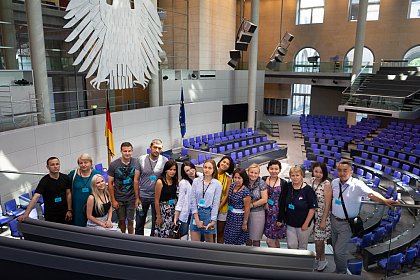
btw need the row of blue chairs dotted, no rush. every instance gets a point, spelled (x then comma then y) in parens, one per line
(391, 153)
(218, 137)
(397, 261)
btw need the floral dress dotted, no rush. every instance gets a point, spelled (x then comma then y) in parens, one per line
(318, 233)
(271, 229)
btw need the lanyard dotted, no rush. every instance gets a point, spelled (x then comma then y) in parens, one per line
(85, 183)
(151, 166)
(204, 191)
(274, 182)
(293, 191)
(313, 184)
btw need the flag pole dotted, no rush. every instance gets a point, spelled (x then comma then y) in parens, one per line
(107, 146)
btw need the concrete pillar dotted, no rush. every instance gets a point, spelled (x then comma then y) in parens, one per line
(154, 83)
(358, 49)
(8, 34)
(252, 65)
(360, 38)
(38, 60)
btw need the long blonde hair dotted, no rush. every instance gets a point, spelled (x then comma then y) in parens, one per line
(95, 192)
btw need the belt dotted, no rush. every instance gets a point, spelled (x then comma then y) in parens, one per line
(339, 219)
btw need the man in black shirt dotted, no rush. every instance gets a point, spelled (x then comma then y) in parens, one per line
(55, 188)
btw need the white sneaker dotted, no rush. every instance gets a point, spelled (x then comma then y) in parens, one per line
(316, 264)
(322, 265)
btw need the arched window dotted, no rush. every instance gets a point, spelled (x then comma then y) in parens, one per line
(301, 63)
(413, 56)
(301, 93)
(367, 59)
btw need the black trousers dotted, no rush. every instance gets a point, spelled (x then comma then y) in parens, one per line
(141, 217)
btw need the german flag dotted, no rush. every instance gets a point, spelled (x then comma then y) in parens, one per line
(108, 131)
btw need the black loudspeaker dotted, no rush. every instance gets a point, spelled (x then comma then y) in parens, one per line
(235, 54)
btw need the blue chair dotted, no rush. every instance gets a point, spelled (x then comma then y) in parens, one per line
(405, 181)
(222, 149)
(402, 156)
(11, 208)
(397, 174)
(358, 160)
(368, 176)
(320, 159)
(4, 220)
(240, 155)
(250, 141)
(355, 267)
(378, 234)
(365, 155)
(254, 150)
(391, 153)
(409, 257)
(243, 143)
(236, 145)
(377, 166)
(184, 152)
(229, 147)
(258, 140)
(360, 171)
(387, 170)
(381, 151)
(197, 146)
(194, 161)
(14, 229)
(334, 149)
(247, 153)
(307, 165)
(208, 156)
(261, 149)
(363, 242)
(368, 163)
(389, 192)
(392, 263)
(405, 167)
(385, 160)
(416, 171)
(200, 158)
(371, 149)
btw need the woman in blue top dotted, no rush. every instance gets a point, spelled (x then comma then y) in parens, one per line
(205, 201)
(297, 210)
(239, 203)
(80, 191)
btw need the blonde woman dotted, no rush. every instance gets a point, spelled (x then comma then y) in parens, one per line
(258, 189)
(81, 178)
(98, 206)
(299, 206)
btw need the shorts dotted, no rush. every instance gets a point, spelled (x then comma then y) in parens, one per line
(222, 217)
(126, 210)
(183, 230)
(204, 214)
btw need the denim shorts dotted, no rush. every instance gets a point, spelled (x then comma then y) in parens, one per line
(204, 214)
(126, 210)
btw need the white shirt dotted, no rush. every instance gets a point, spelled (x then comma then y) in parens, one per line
(183, 204)
(353, 191)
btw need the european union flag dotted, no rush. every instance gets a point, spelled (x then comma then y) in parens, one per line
(182, 124)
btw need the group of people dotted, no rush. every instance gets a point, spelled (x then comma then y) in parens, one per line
(223, 204)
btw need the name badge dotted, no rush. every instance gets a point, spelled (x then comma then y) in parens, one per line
(85, 189)
(193, 222)
(291, 206)
(57, 199)
(152, 177)
(338, 201)
(171, 201)
(127, 181)
(202, 202)
(270, 202)
(230, 207)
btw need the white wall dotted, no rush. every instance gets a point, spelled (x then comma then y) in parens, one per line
(27, 149)
(230, 87)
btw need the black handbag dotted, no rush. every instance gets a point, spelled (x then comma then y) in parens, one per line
(176, 233)
(356, 223)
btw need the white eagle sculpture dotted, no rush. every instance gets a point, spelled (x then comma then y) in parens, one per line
(121, 44)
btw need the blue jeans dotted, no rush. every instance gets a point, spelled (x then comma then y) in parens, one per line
(183, 230)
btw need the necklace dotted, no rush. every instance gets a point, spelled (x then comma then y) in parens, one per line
(269, 182)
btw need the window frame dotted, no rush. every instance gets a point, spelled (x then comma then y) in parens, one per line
(311, 21)
(377, 2)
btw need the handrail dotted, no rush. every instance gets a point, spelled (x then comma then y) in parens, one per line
(399, 205)
(22, 172)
